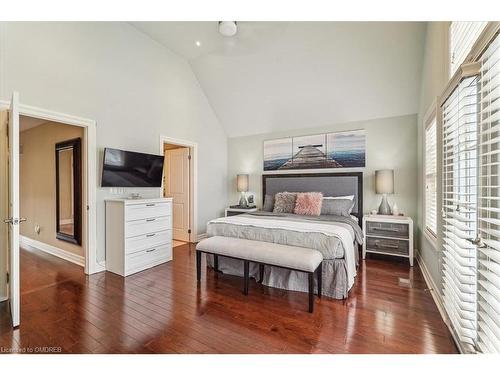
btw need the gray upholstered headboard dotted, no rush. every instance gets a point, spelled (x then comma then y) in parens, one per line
(330, 184)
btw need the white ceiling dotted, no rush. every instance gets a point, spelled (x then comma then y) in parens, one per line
(275, 76)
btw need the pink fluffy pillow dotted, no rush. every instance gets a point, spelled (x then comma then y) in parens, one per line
(308, 204)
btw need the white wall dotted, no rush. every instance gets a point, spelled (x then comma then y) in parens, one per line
(391, 143)
(434, 80)
(133, 87)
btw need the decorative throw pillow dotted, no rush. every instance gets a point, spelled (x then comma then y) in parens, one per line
(268, 203)
(339, 207)
(284, 202)
(308, 204)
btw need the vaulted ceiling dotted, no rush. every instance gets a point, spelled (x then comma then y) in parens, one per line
(275, 76)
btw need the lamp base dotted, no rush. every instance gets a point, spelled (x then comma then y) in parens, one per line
(384, 208)
(243, 201)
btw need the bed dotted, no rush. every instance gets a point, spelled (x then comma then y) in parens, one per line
(337, 237)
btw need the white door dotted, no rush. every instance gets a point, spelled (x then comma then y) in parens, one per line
(13, 219)
(177, 187)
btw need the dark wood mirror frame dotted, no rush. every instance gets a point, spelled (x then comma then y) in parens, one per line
(76, 238)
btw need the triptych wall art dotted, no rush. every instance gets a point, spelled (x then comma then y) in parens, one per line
(329, 150)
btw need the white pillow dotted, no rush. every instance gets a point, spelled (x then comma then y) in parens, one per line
(350, 197)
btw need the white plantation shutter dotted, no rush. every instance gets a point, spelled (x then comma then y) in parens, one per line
(430, 178)
(460, 209)
(488, 288)
(462, 38)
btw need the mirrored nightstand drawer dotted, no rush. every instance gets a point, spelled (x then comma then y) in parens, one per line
(397, 230)
(386, 245)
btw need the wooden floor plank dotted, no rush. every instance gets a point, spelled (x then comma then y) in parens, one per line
(162, 310)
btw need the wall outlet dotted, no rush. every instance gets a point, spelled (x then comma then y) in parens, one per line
(37, 229)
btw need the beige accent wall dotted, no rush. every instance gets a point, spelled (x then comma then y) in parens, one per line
(38, 182)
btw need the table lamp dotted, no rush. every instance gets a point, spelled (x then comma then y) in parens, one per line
(242, 185)
(384, 184)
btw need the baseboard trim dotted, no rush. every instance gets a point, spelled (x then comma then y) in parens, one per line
(3, 298)
(438, 300)
(201, 236)
(52, 250)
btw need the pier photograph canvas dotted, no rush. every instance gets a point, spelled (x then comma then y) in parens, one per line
(348, 149)
(328, 150)
(277, 152)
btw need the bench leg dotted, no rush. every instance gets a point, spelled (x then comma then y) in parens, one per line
(216, 263)
(261, 272)
(311, 291)
(198, 265)
(246, 268)
(319, 274)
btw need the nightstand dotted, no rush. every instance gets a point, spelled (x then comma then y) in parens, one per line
(238, 211)
(388, 235)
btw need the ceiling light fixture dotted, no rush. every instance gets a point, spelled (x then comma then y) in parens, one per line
(228, 28)
(198, 43)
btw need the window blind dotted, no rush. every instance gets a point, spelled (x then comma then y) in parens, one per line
(461, 39)
(460, 209)
(488, 282)
(430, 178)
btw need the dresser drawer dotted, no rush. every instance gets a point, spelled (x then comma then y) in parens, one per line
(147, 241)
(144, 259)
(387, 229)
(147, 210)
(150, 225)
(387, 245)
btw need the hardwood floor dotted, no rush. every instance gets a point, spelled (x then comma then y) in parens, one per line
(162, 311)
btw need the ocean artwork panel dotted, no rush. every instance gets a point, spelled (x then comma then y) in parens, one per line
(347, 148)
(276, 153)
(318, 151)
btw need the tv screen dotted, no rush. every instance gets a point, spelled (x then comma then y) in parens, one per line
(131, 169)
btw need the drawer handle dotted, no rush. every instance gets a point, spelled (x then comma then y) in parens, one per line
(151, 235)
(377, 244)
(150, 250)
(150, 219)
(150, 205)
(387, 229)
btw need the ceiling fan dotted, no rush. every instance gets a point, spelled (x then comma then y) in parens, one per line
(228, 28)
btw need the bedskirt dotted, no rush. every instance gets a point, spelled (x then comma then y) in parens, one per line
(335, 283)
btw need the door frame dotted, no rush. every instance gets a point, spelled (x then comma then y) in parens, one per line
(193, 180)
(89, 173)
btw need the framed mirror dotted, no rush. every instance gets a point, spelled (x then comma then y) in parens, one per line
(69, 191)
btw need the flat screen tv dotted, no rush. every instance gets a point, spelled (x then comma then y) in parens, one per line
(131, 169)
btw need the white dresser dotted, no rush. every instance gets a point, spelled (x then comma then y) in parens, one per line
(138, 234)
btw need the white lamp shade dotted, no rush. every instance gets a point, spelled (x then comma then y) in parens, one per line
(384, 181)
(242, 182)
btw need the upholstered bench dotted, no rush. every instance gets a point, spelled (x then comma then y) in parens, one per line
(264, 253)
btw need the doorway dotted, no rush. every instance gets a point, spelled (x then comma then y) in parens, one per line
(10, 114)
(179, 184)
(51, 188)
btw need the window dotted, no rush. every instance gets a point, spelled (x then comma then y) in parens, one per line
(460, 208)
(488, 278)
(430, 178)
(471, 205)
(461, 39)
